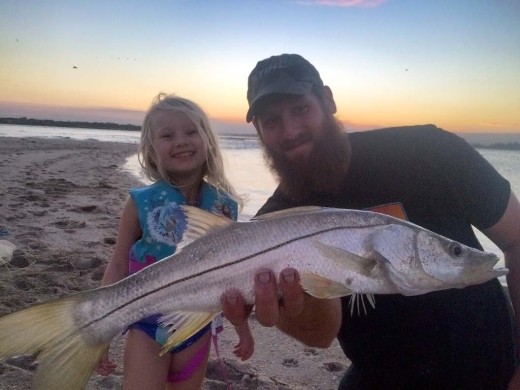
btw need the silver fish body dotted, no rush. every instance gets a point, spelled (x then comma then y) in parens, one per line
(354, 251)
(337, 253)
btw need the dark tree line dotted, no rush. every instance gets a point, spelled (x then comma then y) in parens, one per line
(83, 125)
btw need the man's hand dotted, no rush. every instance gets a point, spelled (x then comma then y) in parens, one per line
(312, 321)
(268, 305)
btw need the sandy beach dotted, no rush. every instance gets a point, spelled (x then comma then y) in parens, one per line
(61, 201)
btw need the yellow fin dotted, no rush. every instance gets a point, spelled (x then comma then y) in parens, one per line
(185, 325)
(67, 365)
(199, 223)
(49, 330)
(286, 212)
(321, 287)
(343, 258)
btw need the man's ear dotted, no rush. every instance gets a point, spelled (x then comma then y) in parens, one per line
(329, 99)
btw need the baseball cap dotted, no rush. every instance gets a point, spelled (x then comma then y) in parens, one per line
(284, 74)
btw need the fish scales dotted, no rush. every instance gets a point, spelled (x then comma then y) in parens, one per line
(225, 259)
(336, 252)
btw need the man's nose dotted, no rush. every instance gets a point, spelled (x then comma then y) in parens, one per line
(291, 128)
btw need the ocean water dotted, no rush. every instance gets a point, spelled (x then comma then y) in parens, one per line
(245, 166)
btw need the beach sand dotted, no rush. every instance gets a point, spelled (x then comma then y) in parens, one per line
(61, 202)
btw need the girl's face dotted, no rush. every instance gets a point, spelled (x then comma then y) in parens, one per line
(178, 145)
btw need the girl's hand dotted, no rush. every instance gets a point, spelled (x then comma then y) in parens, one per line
(244, 349)
(246, 344)
(105, 366)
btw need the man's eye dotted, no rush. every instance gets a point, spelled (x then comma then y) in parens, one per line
(269, 122)
(301, 109)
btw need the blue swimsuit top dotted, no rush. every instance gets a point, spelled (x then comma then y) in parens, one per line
(163, 222)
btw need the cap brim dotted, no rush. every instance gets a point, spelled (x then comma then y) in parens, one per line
(293, 88)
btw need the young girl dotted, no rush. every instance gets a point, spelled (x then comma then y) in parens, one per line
(179, 152)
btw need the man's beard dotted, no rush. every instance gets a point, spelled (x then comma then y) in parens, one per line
(323, 171)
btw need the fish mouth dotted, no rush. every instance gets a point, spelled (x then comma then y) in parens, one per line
(490, 260)
(475, 269)
(483, 267)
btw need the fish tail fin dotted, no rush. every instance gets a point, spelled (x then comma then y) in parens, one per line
(48, 331)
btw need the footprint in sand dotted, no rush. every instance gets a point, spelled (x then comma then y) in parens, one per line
(19, 261)
(334, 367)
(69, 224)
(87, 209)
(291, 362)
(86, 263)
(109, 240)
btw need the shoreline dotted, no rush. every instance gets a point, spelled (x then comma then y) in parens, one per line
(61, 202)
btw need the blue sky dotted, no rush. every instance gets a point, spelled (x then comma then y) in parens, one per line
(452, 63)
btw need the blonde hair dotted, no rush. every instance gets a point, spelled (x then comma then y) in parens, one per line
(213, 169)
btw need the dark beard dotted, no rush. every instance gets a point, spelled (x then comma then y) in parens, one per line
(322, 172)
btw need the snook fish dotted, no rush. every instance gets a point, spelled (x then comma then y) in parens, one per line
(337, 253)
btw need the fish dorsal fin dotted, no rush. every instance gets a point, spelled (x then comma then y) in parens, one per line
(184, 325)
(343, 258)
(287, 212)
(321, 287)
(200, 223)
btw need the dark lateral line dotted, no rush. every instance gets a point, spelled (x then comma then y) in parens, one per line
(214, 269)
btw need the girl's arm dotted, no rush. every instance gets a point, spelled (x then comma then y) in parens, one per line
(117, 269)
(129, 232)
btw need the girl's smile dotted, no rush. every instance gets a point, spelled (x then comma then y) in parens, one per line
(179, 146)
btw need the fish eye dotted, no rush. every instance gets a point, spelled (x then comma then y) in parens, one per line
(456, 250)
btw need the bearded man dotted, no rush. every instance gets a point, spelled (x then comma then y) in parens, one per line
(452, 339)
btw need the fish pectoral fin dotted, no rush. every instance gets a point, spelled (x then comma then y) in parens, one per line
(287, 212)
(320, 287)
(200, 223)
(342, 258)
(184, 325)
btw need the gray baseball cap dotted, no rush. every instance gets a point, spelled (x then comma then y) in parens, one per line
(289, 74)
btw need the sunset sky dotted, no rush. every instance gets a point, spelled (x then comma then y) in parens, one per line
(453, 63)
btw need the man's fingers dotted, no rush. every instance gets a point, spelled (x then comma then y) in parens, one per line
(266, 299)
(267, 303)
(292, 293)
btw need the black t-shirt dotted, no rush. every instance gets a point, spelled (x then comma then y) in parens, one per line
(453, 339)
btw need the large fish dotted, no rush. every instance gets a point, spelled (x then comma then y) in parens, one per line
(337, 253)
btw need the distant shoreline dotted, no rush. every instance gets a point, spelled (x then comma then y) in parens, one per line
(499, 146)
(94, 125)
(76, 124)
(129, 127)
